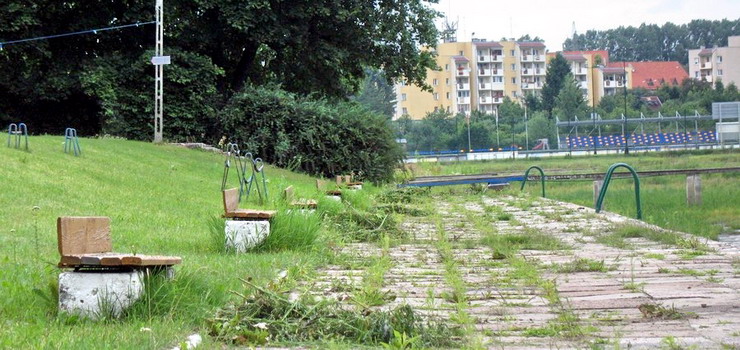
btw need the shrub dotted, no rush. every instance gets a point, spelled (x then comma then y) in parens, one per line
(321, 137)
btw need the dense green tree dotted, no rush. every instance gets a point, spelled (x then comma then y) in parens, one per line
(510, 112)
(318, 48)
(650, 42)
(376, 94)
(557, 70)
(533, 102)
(570, 100)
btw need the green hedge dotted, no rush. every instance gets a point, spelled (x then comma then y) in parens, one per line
(316, 136)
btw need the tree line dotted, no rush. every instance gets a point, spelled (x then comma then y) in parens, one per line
(651, 42)
(310, 55)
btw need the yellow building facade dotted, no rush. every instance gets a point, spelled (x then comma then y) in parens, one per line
(478, 75)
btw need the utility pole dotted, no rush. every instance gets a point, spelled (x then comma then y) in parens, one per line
(158, 72)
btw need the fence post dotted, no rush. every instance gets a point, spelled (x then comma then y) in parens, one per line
(597, 188)
(693, 190)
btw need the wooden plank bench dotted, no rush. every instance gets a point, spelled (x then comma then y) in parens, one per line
(84, 241)
(232, 211)
(347, 180)
(300, 203)
(324, 187)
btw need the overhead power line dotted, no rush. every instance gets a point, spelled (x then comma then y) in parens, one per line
(90, 31)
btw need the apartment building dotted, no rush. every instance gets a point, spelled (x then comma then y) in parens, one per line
(717, 63)
(587, 68)
(476, 75)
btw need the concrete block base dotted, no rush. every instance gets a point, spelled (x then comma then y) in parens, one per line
(244, 235)
(335, 198)
(355, 187)
(98, 294)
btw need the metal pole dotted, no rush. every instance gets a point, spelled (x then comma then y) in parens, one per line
(526, 128)
(470, 149)
(158, 73)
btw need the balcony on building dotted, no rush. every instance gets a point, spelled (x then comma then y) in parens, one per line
(580, 71)
(527, 71)
(707, 78)
(485, 86)
(706, 65)
(485, 72)
(498, 72)
(497, 86)
(583, 85)
(463, 86)
(463, 100)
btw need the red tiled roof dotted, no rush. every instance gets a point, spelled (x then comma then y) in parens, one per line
(705, 52)
(613, 70)
(574, 57)
(650, 75)
(530, 44)
(460, 59)
(489, 44)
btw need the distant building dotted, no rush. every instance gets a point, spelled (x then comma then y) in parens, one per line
(718, 63)
(651, 75)
(476, 75)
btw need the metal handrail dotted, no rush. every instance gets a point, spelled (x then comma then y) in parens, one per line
(71, 142)
(607, 179)
(542, 177)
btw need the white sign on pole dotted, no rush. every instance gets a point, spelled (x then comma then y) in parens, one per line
(160, 60)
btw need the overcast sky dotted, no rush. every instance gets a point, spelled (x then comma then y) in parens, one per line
(553, 20)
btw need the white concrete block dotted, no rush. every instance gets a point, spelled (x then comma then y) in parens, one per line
(335, 198)
(97, 294)
(243, 235)
(355, 187)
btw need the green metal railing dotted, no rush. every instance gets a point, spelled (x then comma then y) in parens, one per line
(607, 179)
(542, 177)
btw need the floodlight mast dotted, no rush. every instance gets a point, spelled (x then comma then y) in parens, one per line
(158, 73)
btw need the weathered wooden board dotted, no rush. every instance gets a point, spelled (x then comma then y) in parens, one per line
(305, 203)
(83, 234)
(118, 259)
(231, 200)
(250, 214)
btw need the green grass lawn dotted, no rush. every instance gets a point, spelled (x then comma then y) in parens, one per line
(161, 200)
(663, 198)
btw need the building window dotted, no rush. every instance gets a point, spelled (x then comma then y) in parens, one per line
(448, 109)
(436, 96)
(513, 94)
(447, 67)
(461, 53)
(696, 60)
(434, 82)
(513, 80)
(447, 81)
(513, 53)
(513, 66)
(719, 72)
(719, 59)
(403, 97)
(436, 108)
(696, 75)
(405, 110)
(448, 95)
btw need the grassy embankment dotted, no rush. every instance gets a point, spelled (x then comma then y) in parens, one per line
(663, 198)
(161, 200)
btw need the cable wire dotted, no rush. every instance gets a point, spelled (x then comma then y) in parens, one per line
(93, 31)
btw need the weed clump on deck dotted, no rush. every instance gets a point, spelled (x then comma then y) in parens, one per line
(270, 315)
(581, 265)
(359, 218)
(507, 245)
(617, 237)
(657, 311)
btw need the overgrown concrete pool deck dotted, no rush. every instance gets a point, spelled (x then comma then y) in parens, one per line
(592, 289)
